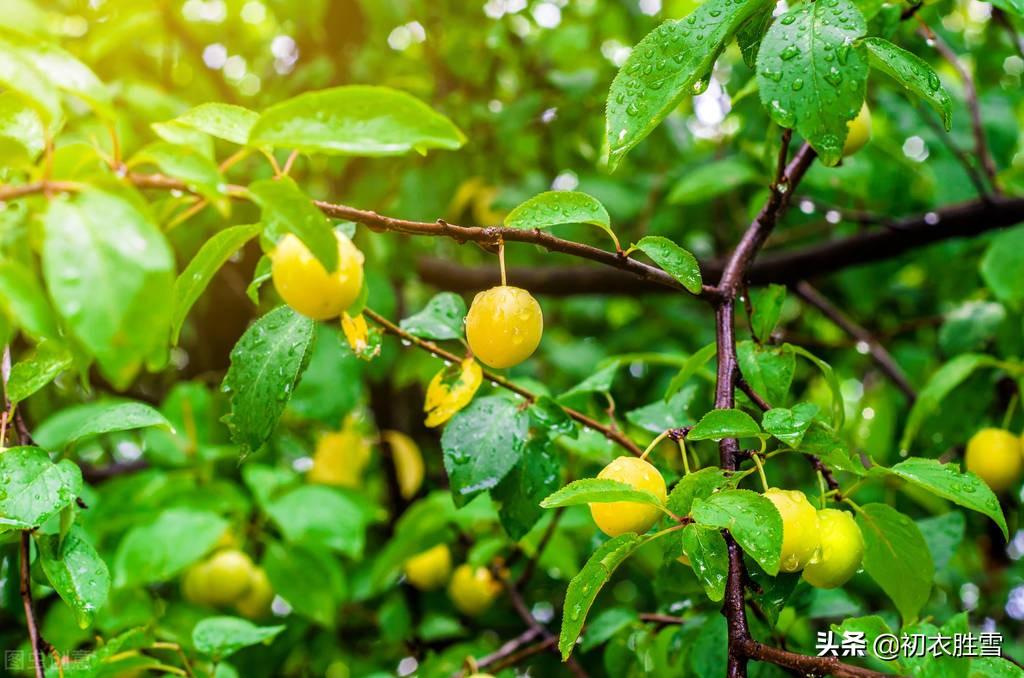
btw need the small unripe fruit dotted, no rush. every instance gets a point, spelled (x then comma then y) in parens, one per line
(255, 602)
(618, 517)
(306, 286)
(429, 569)
(473, 589)
(842, 550)
(859, 131)
(800, 535)
(995, 455)
(193, 584)
(504, 326)
(227, 576)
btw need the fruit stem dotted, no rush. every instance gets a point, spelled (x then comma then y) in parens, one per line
(1009, 411)
(501, 261)
(823, 491)
(686, 461)
(760, 471)
(654, 443)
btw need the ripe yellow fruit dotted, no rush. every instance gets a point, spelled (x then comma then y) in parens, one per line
(340, 458)
(995, 455)
(306, 286)
(225, 577)
(859, 131)
(429, 569)
(842, 550)
(800, 534)
(473, 589)
(255, 602)
(617, 517)
(504, 326)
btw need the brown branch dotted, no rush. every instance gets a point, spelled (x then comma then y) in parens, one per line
(881, 356)
(510, 652)
(608, 432)
(804, 664)
(519, 605)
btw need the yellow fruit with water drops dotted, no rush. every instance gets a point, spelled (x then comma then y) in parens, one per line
(340, 458)
(995, 455)
(255, 602)
(618, 517)
(408, 461)
(225, 577)
(859, 131)
(504, 326)
(473, 589)
(306, 286)
(429, 569)
(450, 390)
(842, 550)
(800, 536)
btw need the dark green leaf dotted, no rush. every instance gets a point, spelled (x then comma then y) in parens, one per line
(76, 572)
(605, 625)
(709, 557)
(752, 520)
(310, 580)
(838, 411)
(22, 298)
(789, 425)
(521, 491)
(944, 535)
(768, 369)
(697, 485)
(674, 260)
(661, 415)
(1002, 267)
(598, 382)
(710, 180)
(728, 423)
(442, 318)
(221, 637)
(913, 73)
(897, 557)
(319, 515)
(693, 363)
(767, 303)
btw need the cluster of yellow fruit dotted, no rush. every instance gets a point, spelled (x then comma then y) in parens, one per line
(996, 456)
(827, 544)
(229, 578)
(471, 589)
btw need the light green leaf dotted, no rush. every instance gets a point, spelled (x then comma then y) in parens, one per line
(672, 62)
(22, 298)
(707, 181)
(72, 424)
(319, 515)
(37, 370)
(561, 207)
(224, 121)
(753, 521)
(897, 557)
(355, 120)
(22, 137)
(812, 71)
(697, 485)
(789, 425)
(838, 410)
(221, 637)
(286, 209)
(709, 556)
(944, 535)
(266, 363)
(823, 442)
(768, 369)
(913, 73)
(995, 667)
(585, 586)
(309, 579)
(197, 275)
(696, 361)
(598, 490)
(728, 423)
(946, 481)
(66, 72)
(199, 173)
(674, 260)
(76, 572)
(1002, 267)
(441, 319)
(20, 75)
(35, 489)
(598, 382)
(662, 415)
(767, 303)
(163, 548)
(110, 273)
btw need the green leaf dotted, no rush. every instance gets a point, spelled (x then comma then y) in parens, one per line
(199, 173)
(20, 75)
(355, 120)
(1002, 267)
(946, 481)
(812, 72)
(709, 556)
(767, 303)
(995, 667)
(838, 411)
(76, 572)
(971, 326)
(200, 271)
(110, 273)
(332, 384)
(35, 488)
(789, 425)
(661, 415)
(598, 382)
(286, 209)
(827, 445)
(442, 318)
(598, 490)
(221, 637)
(481, 444)
(585, 586)
(22, 298)
(674, 260)
(224, 121)
(941, 383)
(73, 424)
(944, 535)
(605, 625)
(697, 485)
(163, 548)
(561, 207)
(749, 38)
(22, 137)
(309, 579)
(872, 627)
(897, 557)
(319, 515)
(672, 62)
(259, 276)
(66, 72)
(696, 361)
(913, 73)
(520, 492)
(727, 423)
(768, 369)
(37, 370)
(266, 363)
(753, 521)
(709, 180)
